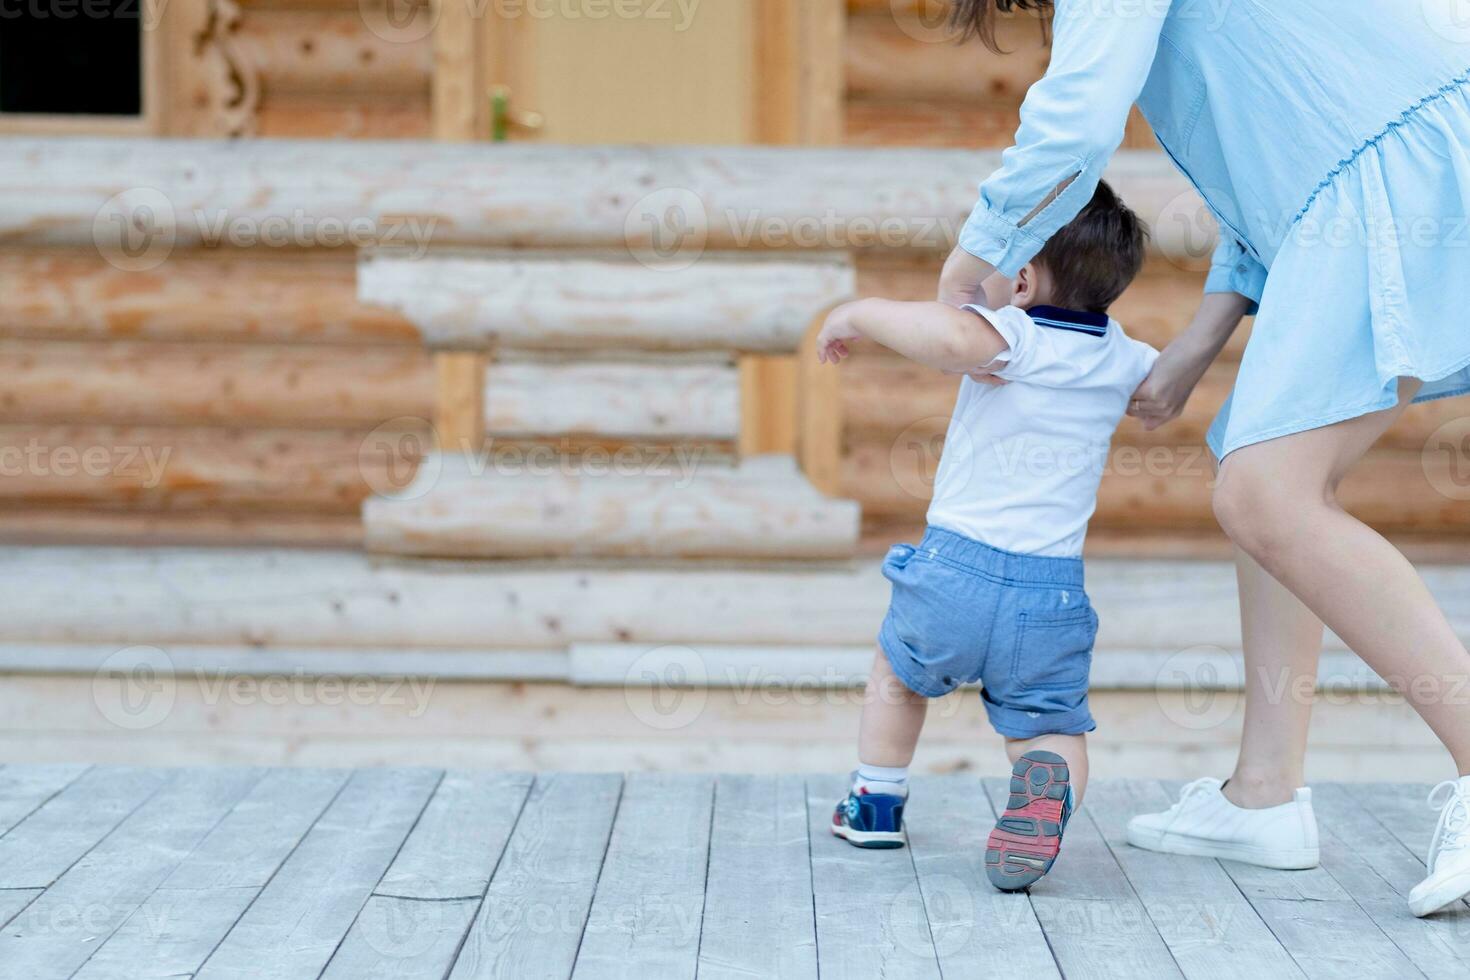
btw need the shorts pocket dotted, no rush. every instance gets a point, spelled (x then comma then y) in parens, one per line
(898, 556)
(1054, 650)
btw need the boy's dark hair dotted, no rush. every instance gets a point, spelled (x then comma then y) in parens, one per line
(1094, 257)
(976, 18)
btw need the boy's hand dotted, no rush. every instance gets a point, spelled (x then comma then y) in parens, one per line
(834, 335)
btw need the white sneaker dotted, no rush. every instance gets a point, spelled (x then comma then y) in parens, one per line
(1449, 852)
(1205, 824)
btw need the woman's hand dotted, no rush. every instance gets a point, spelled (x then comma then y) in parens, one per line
(1166, 390)
(960, 281)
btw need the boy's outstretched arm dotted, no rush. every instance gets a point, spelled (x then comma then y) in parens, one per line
(934, 334)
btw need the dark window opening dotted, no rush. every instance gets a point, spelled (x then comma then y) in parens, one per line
(82, 57)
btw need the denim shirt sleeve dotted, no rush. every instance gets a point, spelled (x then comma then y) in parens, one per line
(1072, 121)
(1234, 270)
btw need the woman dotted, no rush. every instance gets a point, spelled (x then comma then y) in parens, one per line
(1329, 138)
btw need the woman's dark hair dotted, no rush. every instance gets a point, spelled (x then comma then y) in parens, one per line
(976, 18)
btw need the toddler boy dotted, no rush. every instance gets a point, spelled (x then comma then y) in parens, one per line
(994, 592)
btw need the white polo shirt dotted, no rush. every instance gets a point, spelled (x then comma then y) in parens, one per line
(1022, 461)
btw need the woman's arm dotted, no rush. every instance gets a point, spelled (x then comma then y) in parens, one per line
(1072, 122)
(1167, 388)
(933, 334)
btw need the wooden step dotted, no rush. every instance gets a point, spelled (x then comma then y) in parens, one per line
(680, 505)
(283, 599)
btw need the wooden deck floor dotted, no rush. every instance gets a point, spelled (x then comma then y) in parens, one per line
(406, 873)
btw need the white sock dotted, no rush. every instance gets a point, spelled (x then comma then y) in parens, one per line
(892, 780)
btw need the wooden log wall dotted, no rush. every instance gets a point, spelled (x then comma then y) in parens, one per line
(329, 69)
(218, 399)
(910, 84)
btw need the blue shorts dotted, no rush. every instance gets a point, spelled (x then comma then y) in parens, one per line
(1021, 625)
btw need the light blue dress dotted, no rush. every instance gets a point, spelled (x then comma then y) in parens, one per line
(1331, 140)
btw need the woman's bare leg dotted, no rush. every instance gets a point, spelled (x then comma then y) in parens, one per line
(892, 718)
(1282, 640)
(1277, 501)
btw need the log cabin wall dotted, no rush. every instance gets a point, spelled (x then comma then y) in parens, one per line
(230, 395)
(260, 376)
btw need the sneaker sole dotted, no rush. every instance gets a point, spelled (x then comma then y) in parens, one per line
(1024, 844)
(1290, 859)
(1440, 895)
(873, 839)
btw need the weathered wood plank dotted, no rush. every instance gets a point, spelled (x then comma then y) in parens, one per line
(25, 789)
(523, 194)
(1205, 920)
(1332, 940)
(41, 847)
(758, 913)
(531, 921)
(402, 939)
(14, 900)
(1378, 871)
(1402, 810)
(455, 846)
(461, 506)
(292, 928)
(1094, 922)
(177, 927)
(647, 911)
(56, 934)
(977, 930)
(414, 923)
(871, 920)
(729, 301)
(664, 398)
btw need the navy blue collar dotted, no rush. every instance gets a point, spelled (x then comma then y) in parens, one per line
(1059, 318)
